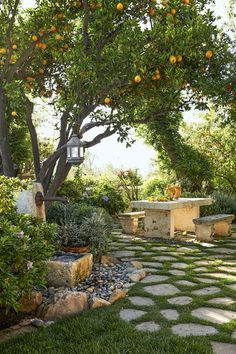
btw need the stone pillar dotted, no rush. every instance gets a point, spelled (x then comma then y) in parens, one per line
(184, 218)
(26, 202)
(159, 223)
(204, 232)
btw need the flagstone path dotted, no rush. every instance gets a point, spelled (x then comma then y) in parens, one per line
(192, 294)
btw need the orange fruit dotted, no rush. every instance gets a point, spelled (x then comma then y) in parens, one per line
(157, 71)
(164, 3)
(186, 2)
(152, 12)
(120, 6)
(66, 46)
(14, 46)
(59, 15)
(58, 37)
(43, 45)
(44, 62)
(173, 11)
(3, 51)
(41, 71)
(168, 14)
(13, 113)
(107, 100)
(209, 54)
(29, 79)
(137, 79)
(172, 59)
(179, 58)
(34, 38)
(158, 76)
(53, 29)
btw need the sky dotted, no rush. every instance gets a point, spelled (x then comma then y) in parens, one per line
(109, 151)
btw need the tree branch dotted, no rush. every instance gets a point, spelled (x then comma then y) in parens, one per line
(108, 132)
(85, 26)
(33, 136)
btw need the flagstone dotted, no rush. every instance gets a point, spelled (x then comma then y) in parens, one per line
(170, 315)
(193, 329)
(147, 254)
(222, 300)
(141, 301)
(150, 326)
(162, 289)
(136, 248)
(214, 315)
(210, 290)
(206, 280)
(180, 300)
(227, 269)
(176, 272)
(223, 348)
(161, 248)
(154, 278)
(179, 265)
(234, 335)
(120, 254)
(222, 276)
(187, 249)
(232, 287)
(131, 314)
(153, 264)
(151, 270)
(200, 269)
(223, 250)
(164, 258)
(204, 263)
(185, 283)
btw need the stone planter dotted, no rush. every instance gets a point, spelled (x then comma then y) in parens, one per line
(68, 269)
(76, 249)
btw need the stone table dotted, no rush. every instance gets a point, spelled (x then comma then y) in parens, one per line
(163, 218)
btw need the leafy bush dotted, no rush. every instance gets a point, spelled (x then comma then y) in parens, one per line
(75, 213)
(25, 244)
(98, 232)
(154, 186)
(68, 235)
(223, 203)
(108, 197)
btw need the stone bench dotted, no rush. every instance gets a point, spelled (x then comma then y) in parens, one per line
(129, 221)
(213, 225)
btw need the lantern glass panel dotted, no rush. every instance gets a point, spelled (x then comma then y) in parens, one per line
(68, 151)
(74, 151)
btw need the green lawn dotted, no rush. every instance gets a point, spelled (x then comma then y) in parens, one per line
(102, 330)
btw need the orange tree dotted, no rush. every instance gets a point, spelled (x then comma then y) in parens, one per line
(110, 65)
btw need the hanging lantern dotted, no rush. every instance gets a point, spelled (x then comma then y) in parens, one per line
(75, 150)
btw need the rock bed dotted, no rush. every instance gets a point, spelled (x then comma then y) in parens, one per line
(105, 279)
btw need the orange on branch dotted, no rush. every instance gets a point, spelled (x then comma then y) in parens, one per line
(179, 58)
(53, 29)
(65, 46)
(137, 79)
(3, 51)
(58, 37)
(168, 14)
(14, 113)
(164, 3)
(186, 2)
(44, 62)
(172, 59)
(43, 46)
(29, 79)
(209, 54)
(34, 38)
(14, 46)
(41, 71)
(152, 12)
(173, 11)
(120, 6)
(107, 100)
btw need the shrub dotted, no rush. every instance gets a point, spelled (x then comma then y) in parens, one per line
(98, 232)
(68, 235)
(223, 203)
(108, 197)
(153, 186)
(25, 244)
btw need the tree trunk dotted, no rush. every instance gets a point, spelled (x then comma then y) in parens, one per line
(7, 163)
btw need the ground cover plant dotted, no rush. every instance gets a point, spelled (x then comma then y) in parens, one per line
(103, 330)
(25, 244)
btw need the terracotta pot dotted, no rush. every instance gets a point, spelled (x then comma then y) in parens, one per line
(76, 249)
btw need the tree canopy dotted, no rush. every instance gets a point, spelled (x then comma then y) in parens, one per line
(110, 65)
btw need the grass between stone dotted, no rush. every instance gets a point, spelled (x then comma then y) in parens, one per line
(102, 331)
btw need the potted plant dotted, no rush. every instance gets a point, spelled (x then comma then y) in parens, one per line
(69, 238)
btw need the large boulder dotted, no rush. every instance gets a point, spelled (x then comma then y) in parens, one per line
(30, 303)
(65, 303)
